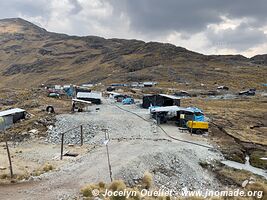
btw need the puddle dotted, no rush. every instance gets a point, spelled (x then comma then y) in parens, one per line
(246, 167)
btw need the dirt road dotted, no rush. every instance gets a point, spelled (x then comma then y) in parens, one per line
(136, 146)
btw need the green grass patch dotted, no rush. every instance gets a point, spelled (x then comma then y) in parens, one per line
(256, 161)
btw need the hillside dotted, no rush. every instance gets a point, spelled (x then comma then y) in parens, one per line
(260, 59)
(30, 56)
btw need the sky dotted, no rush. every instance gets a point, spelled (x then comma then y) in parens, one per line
(205, 26)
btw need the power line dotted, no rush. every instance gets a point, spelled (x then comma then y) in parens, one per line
(174, 138)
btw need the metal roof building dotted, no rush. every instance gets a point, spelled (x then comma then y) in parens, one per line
(11, 112)
(160, 100)
(94, 97)
(8, 117)
(170, 96)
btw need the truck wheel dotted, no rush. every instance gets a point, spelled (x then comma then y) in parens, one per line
(50, 109)
(199, 132)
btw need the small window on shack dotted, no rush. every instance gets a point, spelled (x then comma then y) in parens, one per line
(198, 113)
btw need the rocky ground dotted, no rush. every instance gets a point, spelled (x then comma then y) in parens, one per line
(136, 146)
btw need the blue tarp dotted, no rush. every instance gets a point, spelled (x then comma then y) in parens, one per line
(128, 101)
(69, 91)
(198, 114)
(199, 118)
(195, 110)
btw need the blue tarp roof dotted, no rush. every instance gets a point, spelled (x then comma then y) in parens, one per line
(128, 101)
(194, 109)
(175, 108)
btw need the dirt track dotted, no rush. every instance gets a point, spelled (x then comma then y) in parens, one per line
(136, 146)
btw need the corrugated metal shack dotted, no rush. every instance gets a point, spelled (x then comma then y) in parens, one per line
(149, 84)
(160, 100)
(93, 97)
(179, 114)
(11, 116)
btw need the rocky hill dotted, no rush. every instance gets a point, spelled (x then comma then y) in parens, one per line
(260, 59)
(30, 56)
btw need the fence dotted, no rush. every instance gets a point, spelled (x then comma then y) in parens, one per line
(63, 134)
(3, 129)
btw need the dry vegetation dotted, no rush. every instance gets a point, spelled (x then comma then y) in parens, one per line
(9, 28)
(232, 176)
(147, 180)
(34, 101)
(238, 126)
(238, 116)
(118, 185)
(5, 177)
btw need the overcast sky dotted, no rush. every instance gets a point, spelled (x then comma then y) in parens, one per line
(206, 26)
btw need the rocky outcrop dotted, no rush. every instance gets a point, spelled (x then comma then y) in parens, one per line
(259, 59)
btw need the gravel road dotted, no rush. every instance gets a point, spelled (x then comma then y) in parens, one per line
(136, 146)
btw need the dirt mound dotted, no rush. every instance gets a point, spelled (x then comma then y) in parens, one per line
(173, 170)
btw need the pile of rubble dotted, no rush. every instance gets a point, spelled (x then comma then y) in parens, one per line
(169, 170)
(72, 131)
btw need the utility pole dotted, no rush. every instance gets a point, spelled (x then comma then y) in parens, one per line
(81, 135)
(192, 124)
(9, 157)
(62, 143)
(3, 128)
(106, 144)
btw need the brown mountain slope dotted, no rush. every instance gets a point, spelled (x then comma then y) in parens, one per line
(260, 59)
(29, 56)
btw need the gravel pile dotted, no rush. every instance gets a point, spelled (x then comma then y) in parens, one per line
(171, 170)
(118, 123)
(67, 122)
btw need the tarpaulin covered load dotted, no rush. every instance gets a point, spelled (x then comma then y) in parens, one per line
(198, 114)
(128, 101)
(69, 91)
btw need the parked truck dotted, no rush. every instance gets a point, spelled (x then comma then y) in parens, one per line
(198, 127)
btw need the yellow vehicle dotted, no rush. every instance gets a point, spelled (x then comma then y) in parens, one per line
(198, 126)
